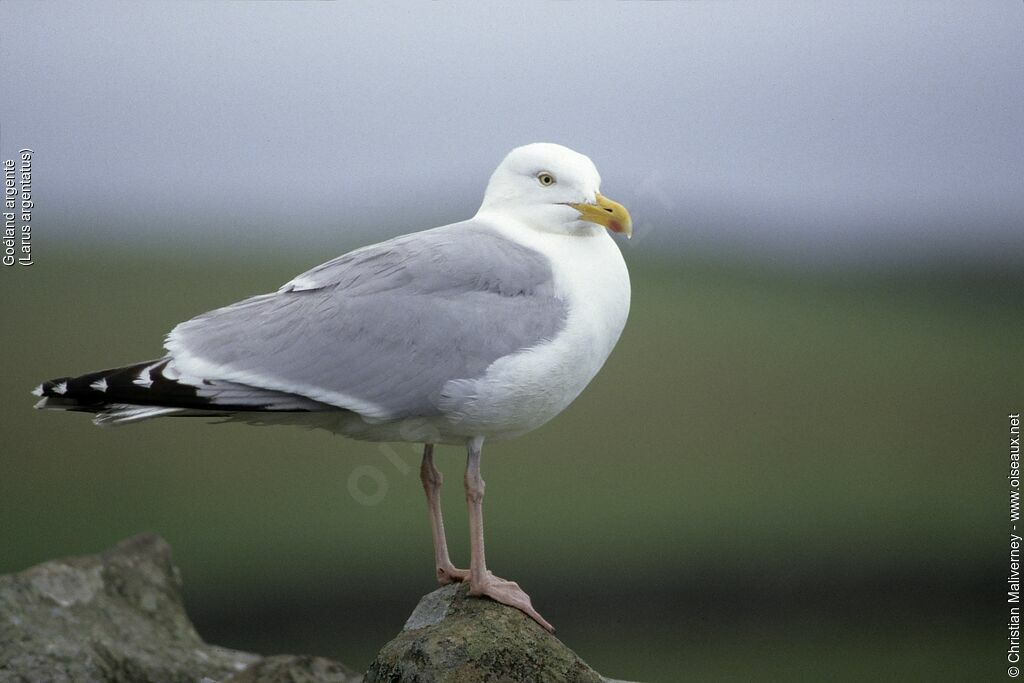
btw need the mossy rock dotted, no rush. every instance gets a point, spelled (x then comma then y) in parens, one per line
(455, 638)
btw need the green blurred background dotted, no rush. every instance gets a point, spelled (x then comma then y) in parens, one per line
(779, 474)
(793, 466)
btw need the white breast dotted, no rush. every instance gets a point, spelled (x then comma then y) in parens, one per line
(521, 392)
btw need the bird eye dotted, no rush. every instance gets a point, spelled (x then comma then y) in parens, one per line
(545, 179)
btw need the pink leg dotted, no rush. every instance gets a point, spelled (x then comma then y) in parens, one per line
(481, 581)
(432, 480)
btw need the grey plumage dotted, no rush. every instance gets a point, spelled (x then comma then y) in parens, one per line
(386, 325)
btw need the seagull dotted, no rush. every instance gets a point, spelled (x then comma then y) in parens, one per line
(480, 330)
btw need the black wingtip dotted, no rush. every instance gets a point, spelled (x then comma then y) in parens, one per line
(146, 384)
(89, 392)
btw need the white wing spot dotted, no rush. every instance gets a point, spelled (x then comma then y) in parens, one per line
(100, 384)
(60, 388)
(143, 379)
(38, 391)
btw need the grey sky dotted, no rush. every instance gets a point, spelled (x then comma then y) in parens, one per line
(827, 129)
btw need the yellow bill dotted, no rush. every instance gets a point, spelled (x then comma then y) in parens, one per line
(608, 213)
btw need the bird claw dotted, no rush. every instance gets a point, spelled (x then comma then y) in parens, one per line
(450, 574)
(508, 593)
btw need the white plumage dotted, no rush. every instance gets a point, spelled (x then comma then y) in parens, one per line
(483, 329)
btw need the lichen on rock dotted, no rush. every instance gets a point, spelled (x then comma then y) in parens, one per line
(456, 638)
(118, 617)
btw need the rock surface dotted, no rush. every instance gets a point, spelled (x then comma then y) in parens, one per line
(453, 637)
(118, 617)
(295, 669)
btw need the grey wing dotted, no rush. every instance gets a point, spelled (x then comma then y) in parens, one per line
(380, 330)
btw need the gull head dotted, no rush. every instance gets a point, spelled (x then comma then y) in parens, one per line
(553, 189)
